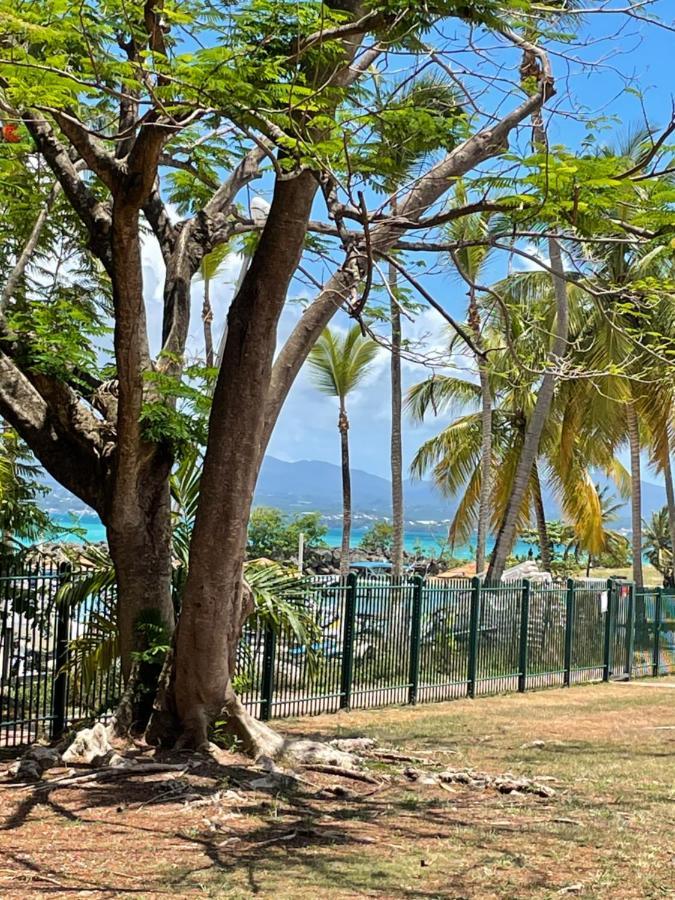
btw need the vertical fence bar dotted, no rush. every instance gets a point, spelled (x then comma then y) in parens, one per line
(656, 656)
(473, 637)
(607, 650)
(60, 688)
(524, 630)
(267, 681)
(415, 628)
(569, 631)
(630, 630)
(347, 671)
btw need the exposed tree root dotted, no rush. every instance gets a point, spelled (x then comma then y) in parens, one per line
(342, 773)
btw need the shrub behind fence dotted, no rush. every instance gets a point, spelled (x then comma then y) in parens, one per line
(381, 642)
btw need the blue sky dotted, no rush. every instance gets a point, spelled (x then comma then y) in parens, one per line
(615, 52)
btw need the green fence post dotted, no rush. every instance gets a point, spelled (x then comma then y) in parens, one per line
(473, 636)
(607, 652)
(524, 630)
(569, 631)
(267, 683)
(630, 630)
(415, 628)
(656, 658)
(347, 672)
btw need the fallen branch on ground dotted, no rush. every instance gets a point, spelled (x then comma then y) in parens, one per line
(343, 773)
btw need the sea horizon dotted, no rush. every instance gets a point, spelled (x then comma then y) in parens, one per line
(429, 537)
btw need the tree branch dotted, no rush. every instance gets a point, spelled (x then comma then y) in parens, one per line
(94, 214)
(67, 441)
(428, 190)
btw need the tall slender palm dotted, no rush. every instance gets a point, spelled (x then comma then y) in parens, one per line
(396, 450)
(338, 365)
(469, 261)
(434, 101)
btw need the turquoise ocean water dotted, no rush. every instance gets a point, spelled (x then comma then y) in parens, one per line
(429, 538)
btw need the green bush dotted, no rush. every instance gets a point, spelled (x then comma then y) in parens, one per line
(274, 535)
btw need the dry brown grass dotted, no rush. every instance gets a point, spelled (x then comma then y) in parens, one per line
(607, 833)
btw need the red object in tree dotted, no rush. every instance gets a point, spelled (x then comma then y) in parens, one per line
(10, 134)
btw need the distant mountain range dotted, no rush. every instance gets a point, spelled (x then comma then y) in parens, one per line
(309, 485)
(315, 485)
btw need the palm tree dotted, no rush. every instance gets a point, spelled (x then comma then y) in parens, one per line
(658, 547)
(338, 365)
(575, 438)
(435, 103)
(469, 261)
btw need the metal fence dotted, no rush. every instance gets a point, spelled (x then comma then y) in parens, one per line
(380, 642)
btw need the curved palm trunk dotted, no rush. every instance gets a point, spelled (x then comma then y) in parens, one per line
(536, 422)
(485, 469)
(670, 501)
(540, 516)
(636, 493)
(542, 407)
(396, 440)
(343, 425)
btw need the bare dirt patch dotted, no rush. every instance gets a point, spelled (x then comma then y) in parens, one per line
(607, 753)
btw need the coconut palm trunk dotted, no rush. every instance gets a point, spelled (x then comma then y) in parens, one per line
(535, 425)
(540, 516)
(337, 366)
(343, 426)
(207, 320)
(485, 470)
(636, 493)
(486, 439)
(396, 440)
(670, 501)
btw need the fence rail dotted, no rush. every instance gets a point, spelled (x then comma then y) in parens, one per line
(381, 642)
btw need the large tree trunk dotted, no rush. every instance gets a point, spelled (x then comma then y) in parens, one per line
(343, 426)
(396, 440)
(636, 493)
(138, 512)
(214, 607)
(540, 516)
(140, 548)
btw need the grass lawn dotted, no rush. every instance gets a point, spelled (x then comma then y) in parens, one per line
(608, 832)
(652, 576)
